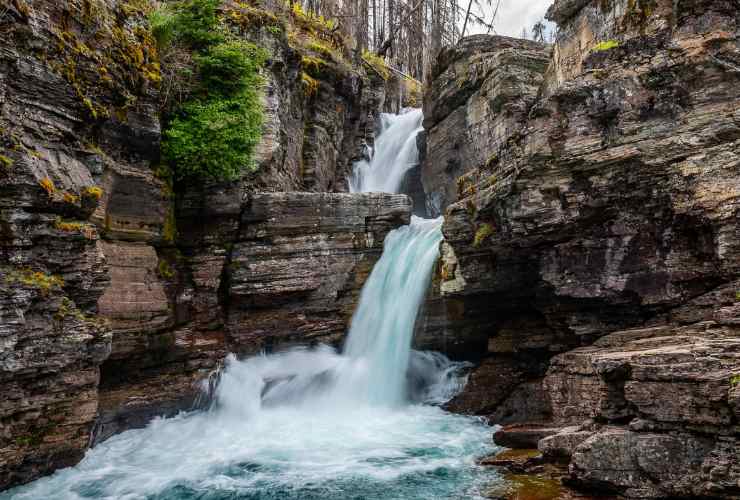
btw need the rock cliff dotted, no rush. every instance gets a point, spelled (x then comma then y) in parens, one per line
(592, 254)
(119, 292)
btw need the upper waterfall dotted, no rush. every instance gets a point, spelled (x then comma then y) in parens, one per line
(395, 152)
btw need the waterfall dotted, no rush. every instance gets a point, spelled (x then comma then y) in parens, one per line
(315, 424)
(372, 370)
(383, 324)
(395, 152)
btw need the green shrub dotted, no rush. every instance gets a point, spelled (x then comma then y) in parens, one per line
(162, 24)
(196, 23)
(213, 135)
(230, 68)
(215, 138)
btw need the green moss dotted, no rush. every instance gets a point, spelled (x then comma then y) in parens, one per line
(71, 198)
(377, 63)
(735, 380)
(310, 84)
(312, 65)
(246, 17)
(36, 279)
(137, 7)
(5, 162)
(169, 231)
(87, 230)
(48, 186)
(165, 270)
(482, 234)
(68, 309)
(322, 48)
(92, 192)
(607, 45)
(310, 21)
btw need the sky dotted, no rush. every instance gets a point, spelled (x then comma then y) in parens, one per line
(513, 15)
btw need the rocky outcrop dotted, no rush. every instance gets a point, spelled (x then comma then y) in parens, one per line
(75, 146)
(480, 95)
(675, 389)
(247, 276)
(613, 207)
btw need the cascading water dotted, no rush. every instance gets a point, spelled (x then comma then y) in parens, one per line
(395, 152)
(311, 424)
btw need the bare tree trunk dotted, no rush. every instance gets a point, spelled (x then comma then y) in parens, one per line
(467, 16)
(375, 24)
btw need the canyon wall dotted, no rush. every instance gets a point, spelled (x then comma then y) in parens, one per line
(121, 292)
(592, 256)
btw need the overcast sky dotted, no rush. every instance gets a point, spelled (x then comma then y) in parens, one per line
(513, 15)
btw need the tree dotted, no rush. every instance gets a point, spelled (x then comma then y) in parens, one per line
(538, 31)
(407, 34)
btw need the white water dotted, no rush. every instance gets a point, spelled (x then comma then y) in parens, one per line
(394, 154)
(311, 424)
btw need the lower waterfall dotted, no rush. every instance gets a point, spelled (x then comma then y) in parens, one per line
(311, 424)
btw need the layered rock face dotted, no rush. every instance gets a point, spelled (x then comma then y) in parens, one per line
(118, 296)
(74, 151)
(250, 273)
(593, 264)
(480, 95)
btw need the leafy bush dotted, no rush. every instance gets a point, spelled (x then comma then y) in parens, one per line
(230, 68)
(213, 135)
(162, 25)
(196, 23)
(215, 138)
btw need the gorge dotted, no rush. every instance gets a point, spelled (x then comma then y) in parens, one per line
(530, 288)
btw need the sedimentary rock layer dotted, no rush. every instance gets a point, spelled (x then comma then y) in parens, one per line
(614, 206)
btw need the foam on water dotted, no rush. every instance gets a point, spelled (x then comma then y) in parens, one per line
(311, 423)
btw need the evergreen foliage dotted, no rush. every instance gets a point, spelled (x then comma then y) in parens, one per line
(214, 134)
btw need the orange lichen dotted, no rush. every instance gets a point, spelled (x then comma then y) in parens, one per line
(47, 185)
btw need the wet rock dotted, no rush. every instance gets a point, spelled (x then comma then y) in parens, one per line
(517, 461)
(66, 144)
(299, 262)
(523, 436)
(559, 447)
